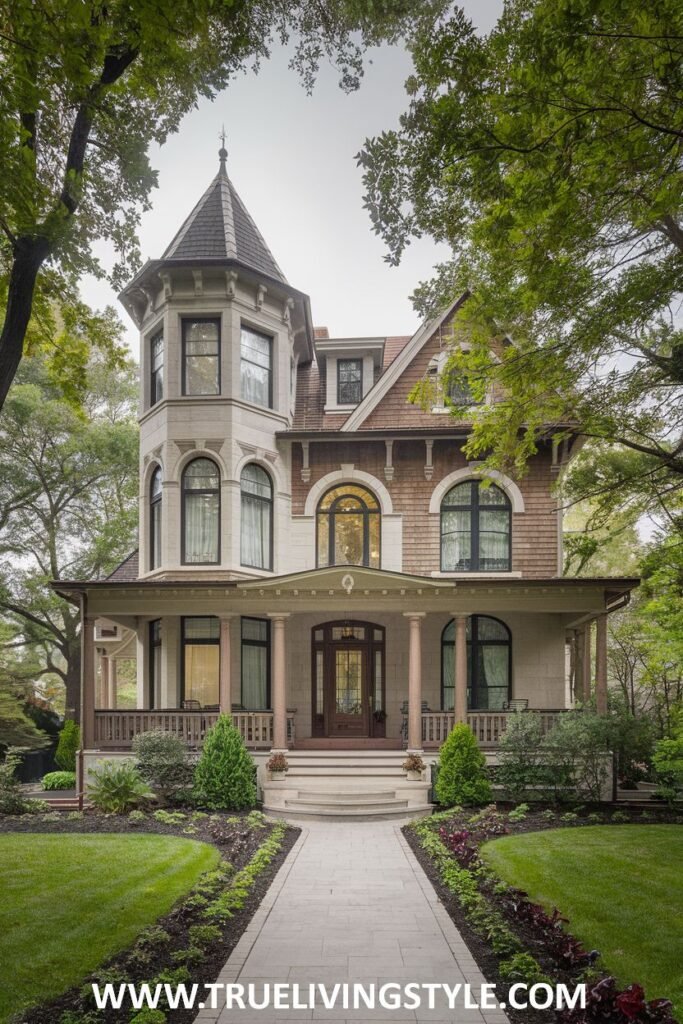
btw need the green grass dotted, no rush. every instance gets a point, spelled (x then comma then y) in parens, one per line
(621, 886)
(71, 901)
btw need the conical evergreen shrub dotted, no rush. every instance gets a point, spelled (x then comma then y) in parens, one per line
(225, 776)
(462, 771)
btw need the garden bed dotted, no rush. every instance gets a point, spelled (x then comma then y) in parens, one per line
(190, 943)
(511, 938)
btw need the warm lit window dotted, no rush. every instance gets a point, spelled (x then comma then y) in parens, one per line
(201, 357)
(256, 540)
(256, 367)
(201, 513)
(156, 356)
(155, 663)
(475, 529)
(488, 664)
(348, 527)
(349, 381)
(201, 662)
(255, 648)
(155, 519)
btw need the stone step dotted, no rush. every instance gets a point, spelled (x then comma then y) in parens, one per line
(359, 806)
(328, 813)
(335, 797)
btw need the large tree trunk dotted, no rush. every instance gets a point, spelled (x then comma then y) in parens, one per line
(73, 683)
(29, 255)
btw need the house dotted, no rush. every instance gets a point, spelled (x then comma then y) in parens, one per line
(317, 556)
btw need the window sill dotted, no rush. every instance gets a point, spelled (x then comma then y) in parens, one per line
(338, 408)
(477, 575)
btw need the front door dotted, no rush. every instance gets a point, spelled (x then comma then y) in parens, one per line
(348, 697)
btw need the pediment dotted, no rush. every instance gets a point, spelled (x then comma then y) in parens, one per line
(347, 579)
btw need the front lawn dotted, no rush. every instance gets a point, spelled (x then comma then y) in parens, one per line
(71, 901)
(621, 886)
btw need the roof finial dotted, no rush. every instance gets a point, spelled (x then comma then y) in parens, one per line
(222, 152)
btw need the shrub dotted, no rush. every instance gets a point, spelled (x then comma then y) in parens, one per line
(12, 799)
(59, 780)
(522, 967)
(521, 764)
(577, 752)
(68, 746)
(462, 770)
(519, 812)
(117, 787)
(163, 762)
(149, 1016)
(668, 765)
(204, 934)
(224, 776)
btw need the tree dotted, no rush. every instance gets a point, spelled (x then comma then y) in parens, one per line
(84, 90)
(68, 506)
(547, 156)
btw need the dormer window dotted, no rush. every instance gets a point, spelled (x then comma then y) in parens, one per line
(349, 381)
(156, 356)
(201, 357)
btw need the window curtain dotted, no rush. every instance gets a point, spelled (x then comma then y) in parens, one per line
(448, 675)
(254, 677)
(255, 532)
(494, 541)
(456, 541)
(201, 527)
(201, 673)
(493, 676)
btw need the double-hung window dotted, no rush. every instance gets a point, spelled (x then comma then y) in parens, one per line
(349, 381)
(156, 358)
(256, 367)
(255, 650)
(201, 357)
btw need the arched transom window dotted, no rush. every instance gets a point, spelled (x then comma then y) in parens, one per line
(348, 527)
(488, 664)
(155, 519)
(475, 529)
(256, 543)
(201, 513)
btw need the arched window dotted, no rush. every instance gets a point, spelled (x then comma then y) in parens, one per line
(489, 661)
(475, 529)
(256, 544)
(348, 527)
(201, 513)
(155, 519)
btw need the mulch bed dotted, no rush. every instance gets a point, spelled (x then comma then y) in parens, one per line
(237, 843)
(488, 961)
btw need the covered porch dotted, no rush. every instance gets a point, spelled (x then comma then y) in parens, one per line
(342, 657)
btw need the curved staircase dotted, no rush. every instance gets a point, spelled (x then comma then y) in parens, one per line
(343, 785)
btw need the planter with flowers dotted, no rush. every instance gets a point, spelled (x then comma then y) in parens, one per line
(277, 766)
(414, 767)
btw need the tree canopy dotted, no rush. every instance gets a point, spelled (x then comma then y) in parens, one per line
(68, 507)
(84, 90)
(547, 155)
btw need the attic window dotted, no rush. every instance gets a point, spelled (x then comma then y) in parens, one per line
(349, 381)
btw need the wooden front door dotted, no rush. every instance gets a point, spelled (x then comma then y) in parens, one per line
(348, 680)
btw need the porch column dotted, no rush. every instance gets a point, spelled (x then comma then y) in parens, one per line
(460, 697)
(415, 680)
(101, 690)
(601, 664)
(112, 676)
(225, 676)
(577, 664)
(279, 678)
(87, 682)
(586, 667)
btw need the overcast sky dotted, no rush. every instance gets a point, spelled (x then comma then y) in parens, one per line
(291, 158)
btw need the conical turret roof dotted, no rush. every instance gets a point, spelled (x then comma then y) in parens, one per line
(220, 227)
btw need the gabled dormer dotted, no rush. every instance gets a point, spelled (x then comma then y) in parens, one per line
(351, 367)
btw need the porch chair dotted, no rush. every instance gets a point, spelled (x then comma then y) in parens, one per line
(516, 704)
(191, 705)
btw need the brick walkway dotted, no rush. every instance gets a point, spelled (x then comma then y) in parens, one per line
(351, 903)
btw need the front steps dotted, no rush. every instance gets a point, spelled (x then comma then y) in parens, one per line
(343, 785)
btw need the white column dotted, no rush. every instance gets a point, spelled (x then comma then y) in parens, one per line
(415, 681)
(279, 694)
(460, 696)
(87, 683)
(601, 664)
(587, 668)
(225, 678)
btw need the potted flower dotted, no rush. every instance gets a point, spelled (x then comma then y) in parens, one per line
(276, 767)
(414, 766)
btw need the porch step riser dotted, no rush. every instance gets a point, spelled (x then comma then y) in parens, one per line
(332, 814)
(350, 807)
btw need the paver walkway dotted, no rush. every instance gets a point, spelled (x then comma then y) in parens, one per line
(351, 903)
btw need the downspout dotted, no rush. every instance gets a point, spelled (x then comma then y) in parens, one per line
(80, 767)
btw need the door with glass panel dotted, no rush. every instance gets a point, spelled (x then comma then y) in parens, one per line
(348, 680)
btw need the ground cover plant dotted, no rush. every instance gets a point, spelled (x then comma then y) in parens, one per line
(200, 923)
(515, 938)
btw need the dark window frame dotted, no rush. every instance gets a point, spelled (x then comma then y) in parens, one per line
(155, 644)
(156, 374)
(196, 641)
(257, 643)
(200, 320)
(473, 644)
(271, 345)
(340, 383)
(183, 524)
(475, 507)
(331, 513)
(269, 501)
(155, 501)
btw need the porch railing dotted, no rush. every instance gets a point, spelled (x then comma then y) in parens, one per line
(114, 730)
(487, 726)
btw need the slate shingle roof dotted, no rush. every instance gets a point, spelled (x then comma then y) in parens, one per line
(220, 227)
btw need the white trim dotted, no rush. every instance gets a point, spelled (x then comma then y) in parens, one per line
(348, 475)
(200, 453)
(397, 367)
(464, 576)
(475, 471)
